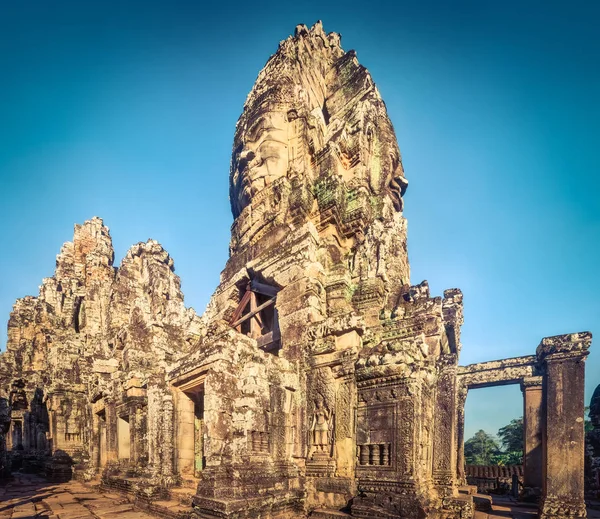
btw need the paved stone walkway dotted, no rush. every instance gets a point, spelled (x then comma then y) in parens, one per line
(29, 497)
(32, 497)
(505, 507)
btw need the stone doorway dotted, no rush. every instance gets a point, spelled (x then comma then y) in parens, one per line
(486, 411)
(123, 438)
(102, 445)
(190, 424)
(198, 399)
(16, 435)
(520, 371)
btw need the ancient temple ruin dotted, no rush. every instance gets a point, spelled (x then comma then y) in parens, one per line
(318, 381)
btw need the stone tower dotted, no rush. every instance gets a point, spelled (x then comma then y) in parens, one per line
(316, 186)
(318, 382)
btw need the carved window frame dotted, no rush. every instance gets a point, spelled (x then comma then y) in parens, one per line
(256, 315)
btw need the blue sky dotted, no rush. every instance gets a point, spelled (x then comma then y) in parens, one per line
(126, 110)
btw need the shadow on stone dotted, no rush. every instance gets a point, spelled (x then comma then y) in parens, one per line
(59, 469)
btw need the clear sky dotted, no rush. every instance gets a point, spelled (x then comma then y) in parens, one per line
(126, 110)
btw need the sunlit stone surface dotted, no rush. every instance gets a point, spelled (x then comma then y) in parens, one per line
(318, 381)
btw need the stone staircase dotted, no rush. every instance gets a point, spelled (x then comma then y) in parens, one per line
(172, 503)
(482, 502)
(467, 490)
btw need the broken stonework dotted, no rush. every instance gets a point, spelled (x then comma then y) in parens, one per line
(318, 381)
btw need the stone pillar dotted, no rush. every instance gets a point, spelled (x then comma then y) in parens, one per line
(185, 434)
(136, 425)
(562, 359)
(167, 436)
(133, 427)
(112, 441)
(532, 431)
(461, 399)
(4, 428)
(444, 440)
(94, 443)
(154, 419)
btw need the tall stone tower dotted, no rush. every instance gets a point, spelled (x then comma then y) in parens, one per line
(311, 380)
(345, 361)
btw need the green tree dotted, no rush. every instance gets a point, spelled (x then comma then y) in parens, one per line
(587, 425)
(481, 449)
(511, 437)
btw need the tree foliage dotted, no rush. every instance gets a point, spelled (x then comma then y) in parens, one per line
(511, 436)
(587, 425)
(481, 449)
(484, 449)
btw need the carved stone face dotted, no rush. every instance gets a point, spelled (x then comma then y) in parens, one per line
(260, 158)
(314, 114)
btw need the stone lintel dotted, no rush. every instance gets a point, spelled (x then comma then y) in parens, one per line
(531, 382)
(497, 372)
(558, 347)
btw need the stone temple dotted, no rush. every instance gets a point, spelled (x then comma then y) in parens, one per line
(318, 382)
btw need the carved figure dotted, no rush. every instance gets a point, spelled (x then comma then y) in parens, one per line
(261, 157)
(310, 112)
(321, 429)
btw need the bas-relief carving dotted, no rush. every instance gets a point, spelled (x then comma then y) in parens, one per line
(344, 410)
(321, 402)
(321, 428)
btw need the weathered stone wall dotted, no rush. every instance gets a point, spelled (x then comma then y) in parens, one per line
(94, 331)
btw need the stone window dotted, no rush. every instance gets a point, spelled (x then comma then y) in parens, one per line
(256, 315)
(375, 454)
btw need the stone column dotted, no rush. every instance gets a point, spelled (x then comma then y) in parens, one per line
(532, 431)
(167, 436)
(154, 419)
(185, 434)
(444, 440)
(461, 399)
(112, 443)
(562, 359)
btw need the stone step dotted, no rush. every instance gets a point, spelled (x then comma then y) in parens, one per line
(183, 496)
(191, 483)
(482, 502)
(170, 509)
(467, 489)
(114, 510)
(327, 513)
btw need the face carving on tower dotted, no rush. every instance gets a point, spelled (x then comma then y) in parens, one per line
(260, 158)
(315, 114)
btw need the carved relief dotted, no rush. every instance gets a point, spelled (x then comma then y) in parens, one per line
(321, 407)
(344, 410)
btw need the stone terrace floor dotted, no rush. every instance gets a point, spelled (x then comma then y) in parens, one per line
(27, 497)
(506, 507)
(32, 497)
